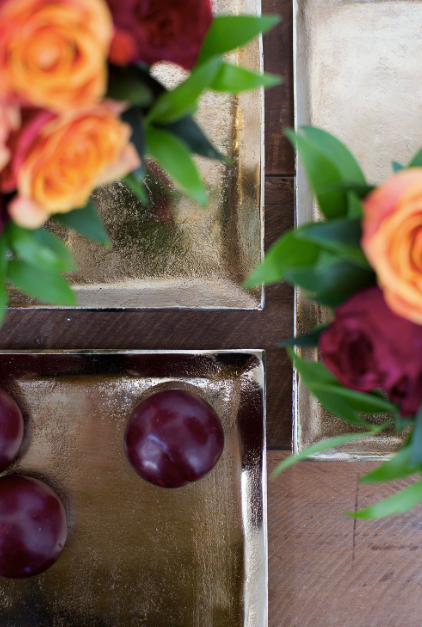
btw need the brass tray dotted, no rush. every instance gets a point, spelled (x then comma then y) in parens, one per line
(358, 75)
(138, 554)
(176, 253)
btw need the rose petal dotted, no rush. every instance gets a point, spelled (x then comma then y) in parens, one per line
(160, 30)
(128, 162)
(368, 346)
(27, 213)
(383, 201)
(123, 48)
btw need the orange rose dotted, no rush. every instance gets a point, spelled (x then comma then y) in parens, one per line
(69, 157)
(10, 120)
(392, 241)
(53, 53)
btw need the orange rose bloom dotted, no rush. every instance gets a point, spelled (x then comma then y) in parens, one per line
(392, 241)
(10, 120)
(53, 53)
(70, 156)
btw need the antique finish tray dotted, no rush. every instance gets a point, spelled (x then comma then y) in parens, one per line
(176, 253)
(138, 554)
(357, 75)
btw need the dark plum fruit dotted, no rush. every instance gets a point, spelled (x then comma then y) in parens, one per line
(11, 429)
(173, 438)
(33, 527)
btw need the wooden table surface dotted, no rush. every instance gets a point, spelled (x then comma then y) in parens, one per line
(325, 569)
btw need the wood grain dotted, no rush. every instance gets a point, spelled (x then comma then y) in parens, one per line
(278, 58)
(328, 570)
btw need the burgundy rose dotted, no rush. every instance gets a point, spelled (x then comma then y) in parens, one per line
(149, 31)
(4, 215)
(407, 393)
(369, 347)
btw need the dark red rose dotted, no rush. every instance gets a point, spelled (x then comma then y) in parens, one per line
(369, 347)
(407, 393)
(4, 214)
(149, 31)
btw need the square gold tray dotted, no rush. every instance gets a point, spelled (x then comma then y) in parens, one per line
(176, 253)
(138, 554)
(357, 75)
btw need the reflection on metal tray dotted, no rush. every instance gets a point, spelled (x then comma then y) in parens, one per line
(176, 253)
(358, 75)
(138, 554)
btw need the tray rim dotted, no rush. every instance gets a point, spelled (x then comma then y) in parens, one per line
(261, 536)
(258, 352)
(303, 212)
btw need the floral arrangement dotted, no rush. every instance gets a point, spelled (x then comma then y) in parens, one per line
(79, 108)
(363, 262)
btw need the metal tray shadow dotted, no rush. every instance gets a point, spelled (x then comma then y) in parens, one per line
(358, 76)
(138, 554)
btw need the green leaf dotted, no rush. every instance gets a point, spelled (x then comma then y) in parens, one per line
(40, 248)
(337, 152)
(134, 118)
(233, 79)
(127, 84)
(398, 467)
(343, 231)
(44, 285)
(137, 188)
(189, 132)
(354, 206)
(340, 236)
(288, 252)
(397, 504)
(361, 401)
(4, 246)
(175, 104)
(228, 32)
(337, 399)
(332, 283)
(312, 371)
(65, 258)
(402, 422)
(174, 157)
(397, 167)
(4, 300)
(144, 75)
(416, 162)
(322, 175)
(306, 339)
(416, 440)
(338, 406)
(360, 189)
(319, 447)
(4, 294)
(85, 221)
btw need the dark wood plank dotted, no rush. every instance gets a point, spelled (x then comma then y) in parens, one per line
(278, 58)
(172, 329)
(327, 570)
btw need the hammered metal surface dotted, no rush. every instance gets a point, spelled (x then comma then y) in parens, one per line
(138, 554)
(176, 253)
(358, 75)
